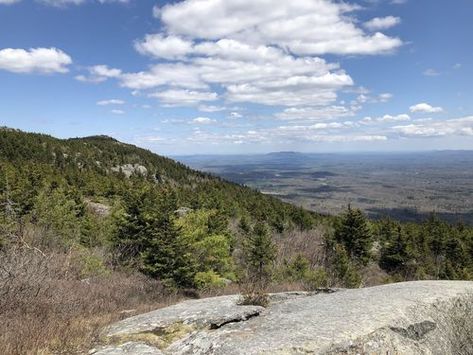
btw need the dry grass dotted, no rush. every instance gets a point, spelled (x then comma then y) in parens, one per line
(46, 308)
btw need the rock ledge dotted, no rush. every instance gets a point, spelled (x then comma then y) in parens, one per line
(423, 317)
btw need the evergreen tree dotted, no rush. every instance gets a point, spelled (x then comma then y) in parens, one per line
(355, 235)
(147, 235)
(397, 254)
(260, 253)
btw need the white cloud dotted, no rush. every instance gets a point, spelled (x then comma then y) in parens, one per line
(169, 47)
(260, 52)
(385, 119)
(61, 3)
(118, 112)
(366, 98)
(390, 118)
(319, 132)
(260, 74)
(453, 127)
(203, 120)
(382, 23)
(315, 113)
(99, 73)
(168, 74)
(431, 72)
(110, 102)
(307, 27)
(425, 108)
(64, 3)
(184, 97)
(385, 97)
(8, 2)
(34, 60)
(235, 115)
(211, 108)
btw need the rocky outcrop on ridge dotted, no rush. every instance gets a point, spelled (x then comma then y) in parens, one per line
(423, 317)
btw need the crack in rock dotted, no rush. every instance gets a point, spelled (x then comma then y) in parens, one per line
(240, 318)
(416, 331)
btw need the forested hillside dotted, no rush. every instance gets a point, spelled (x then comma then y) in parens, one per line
(91, 227)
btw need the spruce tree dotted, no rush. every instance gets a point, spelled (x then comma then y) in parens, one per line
(147, 237)
(355, 235)
(260, 253)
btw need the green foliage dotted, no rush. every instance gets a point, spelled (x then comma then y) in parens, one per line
(398, 255)
(148, 237)
(91, 265)
(302, 219)
(260, 253)
(206, 234)
(354, 234)
(208, 280)
(297, 269)
(316, 279)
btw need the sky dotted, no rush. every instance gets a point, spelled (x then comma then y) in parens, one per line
(241, 76)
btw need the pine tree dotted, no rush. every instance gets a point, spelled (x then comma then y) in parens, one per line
(397, 255)
(147, 236)
(355, 235)
(260, 253)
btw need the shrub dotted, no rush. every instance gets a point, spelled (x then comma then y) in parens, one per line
(208, 280)
(315, 279)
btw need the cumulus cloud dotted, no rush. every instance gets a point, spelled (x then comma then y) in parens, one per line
(235, 115)
(391, 118)
(315, 113)
(382, 23)
(160, 46)
(34, 60)
(425, 108)
(262, 52)
(184, 97)
(307, 27)
(99, 73)
(118, 112)
(385, 119)
(453, 127)
(110, 102)
(211, 108)
(203, 120)
(385, 97)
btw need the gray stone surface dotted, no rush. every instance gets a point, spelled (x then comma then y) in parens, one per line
(128, 348)
(202, 313)
(130, 169)
(425, 317)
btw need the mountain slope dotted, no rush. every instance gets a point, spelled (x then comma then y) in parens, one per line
(98, 168)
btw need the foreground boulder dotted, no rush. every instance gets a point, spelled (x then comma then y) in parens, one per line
(424, 317)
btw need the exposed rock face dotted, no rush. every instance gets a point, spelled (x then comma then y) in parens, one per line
(99, 209)
(425, 317)
(130, 169)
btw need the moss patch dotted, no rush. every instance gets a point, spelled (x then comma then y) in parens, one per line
(160, 337)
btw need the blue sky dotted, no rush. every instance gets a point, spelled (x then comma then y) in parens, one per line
(241, 76)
